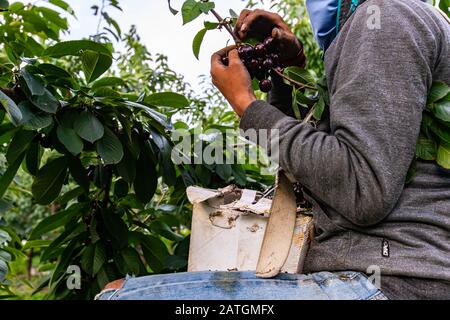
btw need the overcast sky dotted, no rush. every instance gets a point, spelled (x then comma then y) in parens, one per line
(160, 31)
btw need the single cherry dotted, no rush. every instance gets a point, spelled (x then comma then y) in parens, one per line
(253, 65)
(267, 64)
(246, 52)
(260, 74)
(269, 43)
(276, 59)
(265, 85)
(260, 50)
(225, 61)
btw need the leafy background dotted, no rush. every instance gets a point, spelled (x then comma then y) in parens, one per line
(86, 175)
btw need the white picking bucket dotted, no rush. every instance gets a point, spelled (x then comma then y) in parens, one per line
(228, 228)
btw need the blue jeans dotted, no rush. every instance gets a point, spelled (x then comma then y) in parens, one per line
(347, 285)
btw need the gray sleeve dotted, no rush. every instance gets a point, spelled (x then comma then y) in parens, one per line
(380, 82)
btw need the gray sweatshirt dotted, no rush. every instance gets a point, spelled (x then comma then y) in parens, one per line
(354, 165)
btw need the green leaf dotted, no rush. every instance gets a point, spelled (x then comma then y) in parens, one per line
(54, 17)
(299, 75)
(426, 149)
(154, 251)
(224, 171)
(78, 173)
(160, 118)
(4, 236)
(239, 175)
(66, 258)
(69, 138)
(5, 256)
(34, 84)
(95, 64)
(197, 43)
(33, 158)
(4, 4)
(71, 230)
(88, 127)
(110, 148)
(127, 168)
(3, 270)
(116, 228)
(121, 188)
(10, 173)
(444, 5)
(442, 110)
(175, 262)
(106, 92)
(49, 181)
(4, 206)
(108, 82)
(69, 195)
(438, 91)
(128, 262)
(46, 102)
(146, 179)
(63, 5)
(211, 25)
(52, 70)
(93, 258)
(191, 9)
(301, 98)
(11, 108)
(55, 221)
(19, 144)
(319, 108)
(33, 118)
(443, 155)
(441, 131)
(165, 158)
(34, 244)
(167, 99)
(161, 228)
(75, 48)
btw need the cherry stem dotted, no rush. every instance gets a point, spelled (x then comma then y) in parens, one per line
(309, 115)
(226, 25)
(296, 83)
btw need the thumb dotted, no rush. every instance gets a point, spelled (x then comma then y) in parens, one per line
(234, 58)
(277, 34)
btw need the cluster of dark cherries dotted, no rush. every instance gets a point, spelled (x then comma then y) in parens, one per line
(260, 60)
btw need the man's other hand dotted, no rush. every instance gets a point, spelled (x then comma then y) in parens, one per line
(261, 24)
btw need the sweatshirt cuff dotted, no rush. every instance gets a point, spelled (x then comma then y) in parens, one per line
(260, 115)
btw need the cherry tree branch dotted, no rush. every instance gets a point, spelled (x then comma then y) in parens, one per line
(226, 25)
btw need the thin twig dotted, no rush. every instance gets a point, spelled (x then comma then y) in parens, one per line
(309, 115)
(226, 25)
(100, 17)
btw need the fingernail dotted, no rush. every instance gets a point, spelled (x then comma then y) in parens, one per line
(275, 33)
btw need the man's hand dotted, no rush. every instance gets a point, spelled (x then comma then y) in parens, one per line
(261, 24)
(233, 80)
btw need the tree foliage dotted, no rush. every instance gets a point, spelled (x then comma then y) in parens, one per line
(96, 141)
